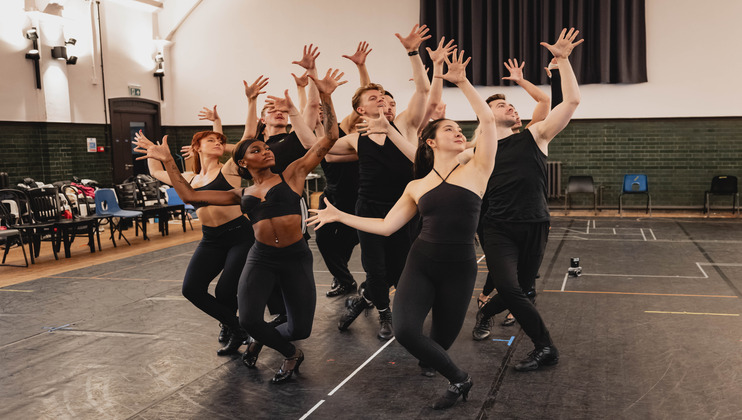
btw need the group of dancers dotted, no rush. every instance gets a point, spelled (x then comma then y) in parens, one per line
(413, 192)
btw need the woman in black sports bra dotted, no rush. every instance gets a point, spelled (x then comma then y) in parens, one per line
(227, 235)
(280, 254)
(441, 267)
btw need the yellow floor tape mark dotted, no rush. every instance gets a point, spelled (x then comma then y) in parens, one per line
(688, 313)
(16, 290)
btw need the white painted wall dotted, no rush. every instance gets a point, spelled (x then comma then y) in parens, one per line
(693, 61)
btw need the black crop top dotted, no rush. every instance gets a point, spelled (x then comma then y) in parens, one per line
(280, 200)
(449, 213)
(219, 183)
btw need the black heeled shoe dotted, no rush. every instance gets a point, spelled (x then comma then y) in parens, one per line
(452, 394)
(224, 333)
(250, 356)
(285, 374)
(236, 339)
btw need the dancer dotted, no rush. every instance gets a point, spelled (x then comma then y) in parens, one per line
(483, 325)
(337, 241)
(227, 234)
(441, 268)
(516, 223)
(385, 167)
(280, 254)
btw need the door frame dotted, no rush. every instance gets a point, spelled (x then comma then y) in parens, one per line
(127, 105)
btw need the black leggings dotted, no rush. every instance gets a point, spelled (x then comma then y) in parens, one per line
(291, 269)
(514, 252)
(336, 241)
(383, 257)
(440, 277)
(223, 248)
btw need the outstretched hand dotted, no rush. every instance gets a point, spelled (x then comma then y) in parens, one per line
(185, 151)
(417, 35)
(564, 44)
(374, 125)
(159, 152)
(456, 69)
(274, 103)
(308, 57)
(208, 114)
(359, 57)
(322, 217)
(516, 72)
(301, 81)
(330, 82)
(256, 88)
(438, 55)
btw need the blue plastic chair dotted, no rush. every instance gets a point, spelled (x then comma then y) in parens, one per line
(107, 206)
(173, 199)
(635, 184)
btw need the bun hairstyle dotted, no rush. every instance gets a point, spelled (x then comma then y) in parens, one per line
(196, 142)
(239, 153)
(424, 154)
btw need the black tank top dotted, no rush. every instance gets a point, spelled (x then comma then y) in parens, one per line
(341, 182)
(449, 213)
(219, 183)
(383, 171)
(280, 200)
(286, 149)
(516, 190)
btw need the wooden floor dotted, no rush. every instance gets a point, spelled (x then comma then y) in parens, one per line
(81, 257)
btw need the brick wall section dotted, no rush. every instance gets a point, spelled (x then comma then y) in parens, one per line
(679, 155)
(52, 152)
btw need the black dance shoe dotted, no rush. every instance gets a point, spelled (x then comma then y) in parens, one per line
(278, 320)
(385, 324)
(508, 321)
(452, 394)
(355, 305)
(545, 356)
(342, 289)
(236, 338)
(283, 373)
(250, 356)
(483, 326)
(224, 333)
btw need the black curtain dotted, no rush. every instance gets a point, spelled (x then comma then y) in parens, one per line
(491, 31)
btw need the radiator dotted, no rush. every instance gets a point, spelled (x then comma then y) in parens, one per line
(554, 179)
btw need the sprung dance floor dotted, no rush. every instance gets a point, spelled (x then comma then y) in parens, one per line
(651, 329)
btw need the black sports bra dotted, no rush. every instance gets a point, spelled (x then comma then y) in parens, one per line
(280, 200)
(219, 183)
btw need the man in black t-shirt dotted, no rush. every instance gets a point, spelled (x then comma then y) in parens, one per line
(516, 222)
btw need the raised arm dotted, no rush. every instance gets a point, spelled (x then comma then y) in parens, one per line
(413, 115)
(556, 83)
(301, 84)
(542, 99)
(559, 117)
(381, 126)
(303, 132)
(213, 116)
(484, 156)
(154, 166)
(402, 212)
(161, 153)
(252, 92)
(359, 59)
(437, 56)
(308, 62)
(299, 169)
